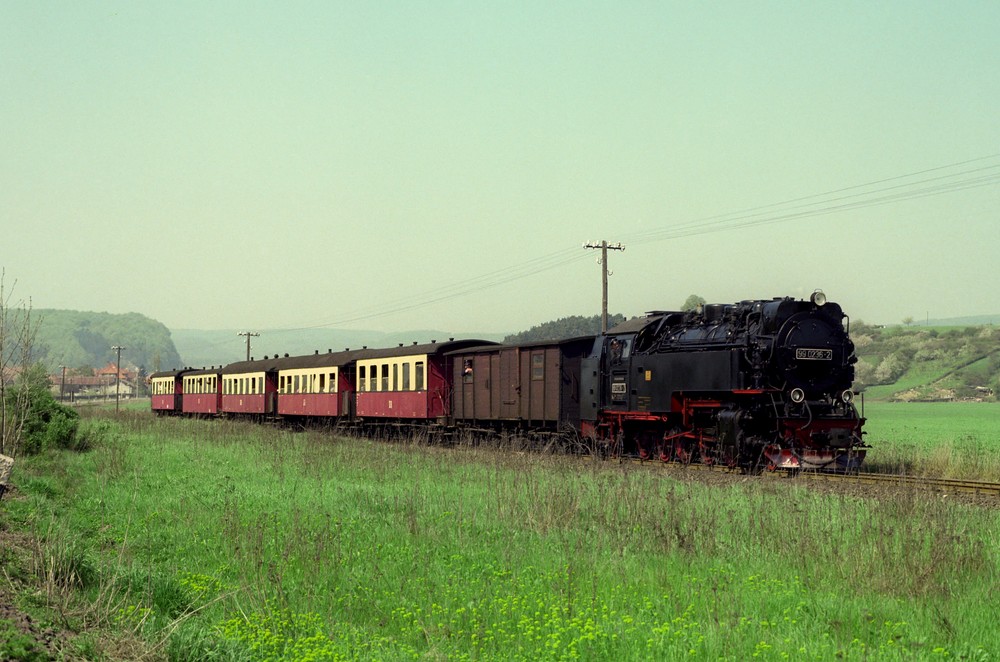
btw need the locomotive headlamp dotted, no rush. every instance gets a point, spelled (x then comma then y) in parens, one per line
(798, 395)
(817, 298)
(847, 396)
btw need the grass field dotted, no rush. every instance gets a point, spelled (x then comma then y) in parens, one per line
(212, 540)
(952, 440)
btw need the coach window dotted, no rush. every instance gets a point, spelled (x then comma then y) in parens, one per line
(333, 383)
(373, 378)
(395, 377)
(406, 377)
(418, 382)
(361, 378)
(537, 367)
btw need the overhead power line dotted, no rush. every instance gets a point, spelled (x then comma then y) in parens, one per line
(949, 178)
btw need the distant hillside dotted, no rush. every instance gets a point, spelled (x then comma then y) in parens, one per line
(922, 363)
(84, 339)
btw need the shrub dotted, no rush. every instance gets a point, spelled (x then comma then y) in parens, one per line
(45, 422)
(17, 646)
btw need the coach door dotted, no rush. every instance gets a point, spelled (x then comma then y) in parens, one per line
(510, 387)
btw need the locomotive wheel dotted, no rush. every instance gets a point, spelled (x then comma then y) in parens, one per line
(681, 453)
(644, 443)
(707, 454)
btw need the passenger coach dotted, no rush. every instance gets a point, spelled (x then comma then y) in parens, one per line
(410, 382)
(202, 392)
(166, 390)
(320, 385)
(248, 387)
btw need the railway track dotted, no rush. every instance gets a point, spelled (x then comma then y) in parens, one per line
(951, 485)
(938, 484)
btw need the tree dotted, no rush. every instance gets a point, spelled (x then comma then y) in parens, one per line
(907, 321)
(17, 335)
(693, 302)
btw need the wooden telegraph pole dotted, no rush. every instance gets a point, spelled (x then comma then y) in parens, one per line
(605, 247)
(118, 374)
(248, 334)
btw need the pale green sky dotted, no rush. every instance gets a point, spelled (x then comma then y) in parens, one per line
(281, 165)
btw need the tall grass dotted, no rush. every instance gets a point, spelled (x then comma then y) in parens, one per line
(223, 540)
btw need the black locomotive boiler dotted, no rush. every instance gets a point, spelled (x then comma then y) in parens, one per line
(763, 383)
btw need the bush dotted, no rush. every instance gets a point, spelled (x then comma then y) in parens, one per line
(96, 432)
(46, 423)
(15, 645)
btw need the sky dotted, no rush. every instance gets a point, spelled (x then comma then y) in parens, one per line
(405, 165)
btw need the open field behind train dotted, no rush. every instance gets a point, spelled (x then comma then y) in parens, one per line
(243, 542)
(947, 440)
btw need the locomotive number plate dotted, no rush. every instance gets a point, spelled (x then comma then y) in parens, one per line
(814, 354)
(619, 388)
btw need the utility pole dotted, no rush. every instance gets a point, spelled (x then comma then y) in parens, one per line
(605, 247)
(248, 334)
(118, 374)
(62, 387)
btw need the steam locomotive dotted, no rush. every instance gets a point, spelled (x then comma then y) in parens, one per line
(757, 383)
(764, 383)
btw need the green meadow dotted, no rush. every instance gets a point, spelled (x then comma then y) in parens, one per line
(950, 440)
(184, 539)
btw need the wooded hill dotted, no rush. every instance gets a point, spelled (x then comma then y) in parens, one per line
(84, 340)
(566, 327)
(908, 363)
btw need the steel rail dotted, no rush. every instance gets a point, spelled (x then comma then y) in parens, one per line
(924, 482)
(954, 485)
